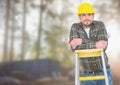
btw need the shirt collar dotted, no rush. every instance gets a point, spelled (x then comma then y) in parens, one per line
(93, 22)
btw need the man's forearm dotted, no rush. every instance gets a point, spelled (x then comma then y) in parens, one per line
(102, 44)
(91, 44)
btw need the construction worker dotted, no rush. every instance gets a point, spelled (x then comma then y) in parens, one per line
(90, 34)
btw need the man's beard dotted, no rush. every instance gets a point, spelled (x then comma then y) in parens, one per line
(87, 22)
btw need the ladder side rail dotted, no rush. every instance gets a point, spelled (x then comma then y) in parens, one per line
(104, 68)
(77, 82)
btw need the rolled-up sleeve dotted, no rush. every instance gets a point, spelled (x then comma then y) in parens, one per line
(102, 33)
(73, 32)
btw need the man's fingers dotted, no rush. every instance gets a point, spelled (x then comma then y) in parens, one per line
(75, 42)
(74, 46)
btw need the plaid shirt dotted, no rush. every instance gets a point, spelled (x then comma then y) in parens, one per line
(97, 32)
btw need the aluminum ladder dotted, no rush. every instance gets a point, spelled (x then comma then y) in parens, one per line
(85, 54)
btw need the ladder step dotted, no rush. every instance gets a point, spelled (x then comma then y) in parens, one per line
(92, 78)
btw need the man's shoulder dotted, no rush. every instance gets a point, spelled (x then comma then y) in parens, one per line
(75, 24)
(97, 22)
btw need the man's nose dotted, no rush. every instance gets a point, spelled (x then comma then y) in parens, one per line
(86, 16)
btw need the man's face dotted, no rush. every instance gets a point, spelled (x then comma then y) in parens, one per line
(86, 19)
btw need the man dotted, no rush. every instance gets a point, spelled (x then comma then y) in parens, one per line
(90, 34)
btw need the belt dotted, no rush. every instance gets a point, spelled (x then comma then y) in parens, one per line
(95, 71)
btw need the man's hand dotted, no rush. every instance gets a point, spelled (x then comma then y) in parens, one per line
(75, 42)
(102, 44)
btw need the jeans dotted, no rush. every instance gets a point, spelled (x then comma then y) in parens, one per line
(98, 82)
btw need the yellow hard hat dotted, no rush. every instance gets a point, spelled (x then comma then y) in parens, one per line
(85, 8)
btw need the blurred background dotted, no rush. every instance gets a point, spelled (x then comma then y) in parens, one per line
(34, 35)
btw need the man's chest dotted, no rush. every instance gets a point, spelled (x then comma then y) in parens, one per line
(92, 34)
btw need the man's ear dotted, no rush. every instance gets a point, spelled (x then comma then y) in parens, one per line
(79, 15)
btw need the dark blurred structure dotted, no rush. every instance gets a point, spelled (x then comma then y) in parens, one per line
(15, 73)
(9, 81)
(33, 69)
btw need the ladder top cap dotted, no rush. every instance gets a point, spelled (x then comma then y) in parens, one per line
(89, 50)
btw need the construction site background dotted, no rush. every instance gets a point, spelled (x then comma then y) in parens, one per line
(34, 35)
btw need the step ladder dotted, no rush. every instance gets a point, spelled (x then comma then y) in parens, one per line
(85, 54)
